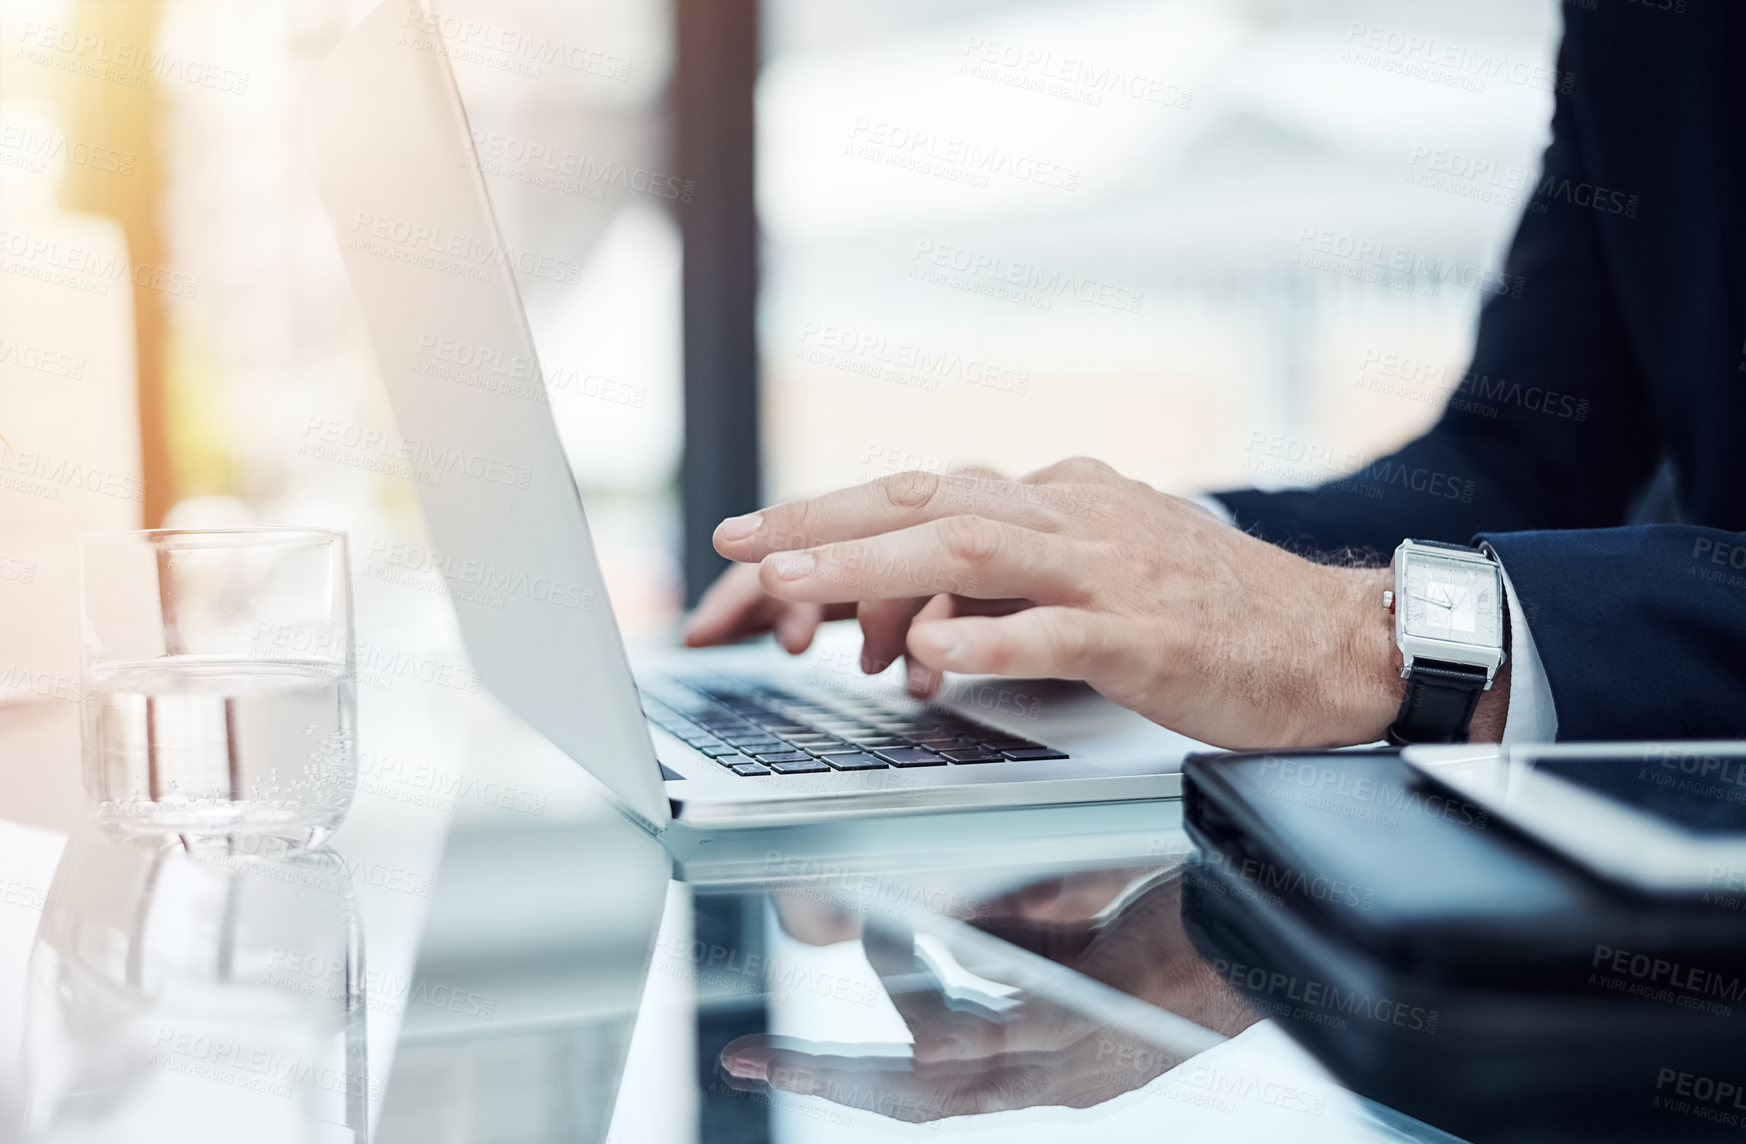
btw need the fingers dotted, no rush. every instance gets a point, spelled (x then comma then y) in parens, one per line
(899, 501)
(857, 1082)
(915, 992)
(796, 624)
(884, 626)
(877, 1084)
(1035, 1026)
(943, 1031)
(1057, 941)
(1074, 897)
(733, 607)
(815, 922)
(1044, 642)
(964, 555)
(736, 607)
(919, 680)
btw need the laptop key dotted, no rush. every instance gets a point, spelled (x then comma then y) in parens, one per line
(783, 757)
(858, 761)
(974, 755)
(808, 767)
(718, 749)
(1026, 754)
(1009, 743)
(751, 769)
(911, 757)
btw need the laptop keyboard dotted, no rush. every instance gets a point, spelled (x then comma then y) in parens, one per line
(756, 728)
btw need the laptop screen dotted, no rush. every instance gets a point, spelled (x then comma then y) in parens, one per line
(389, 144)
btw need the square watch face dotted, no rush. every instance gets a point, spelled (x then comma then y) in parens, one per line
(1456, 600)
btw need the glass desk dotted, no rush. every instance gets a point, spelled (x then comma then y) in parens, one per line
(489, 952)
(1016, 989)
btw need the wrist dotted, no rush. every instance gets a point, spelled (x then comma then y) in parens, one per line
(1493, 710)
(1368, 666)
(1367, 662)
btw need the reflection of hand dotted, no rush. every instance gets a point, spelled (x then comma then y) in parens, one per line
(1038, 1053)
(1076, 897)
(816, 919)
(1142, 951)
(1085, 1071)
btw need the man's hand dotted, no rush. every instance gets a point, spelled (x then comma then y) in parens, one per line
(736, 607)
(1145, 596)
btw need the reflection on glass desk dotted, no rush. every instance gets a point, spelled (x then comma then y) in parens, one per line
(1009, 977)
(196, 998)
(560, 975)
(540, 969)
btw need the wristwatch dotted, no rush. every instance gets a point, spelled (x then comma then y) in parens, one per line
(1449, 625)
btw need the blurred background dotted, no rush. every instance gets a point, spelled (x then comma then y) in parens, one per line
(1213, 242)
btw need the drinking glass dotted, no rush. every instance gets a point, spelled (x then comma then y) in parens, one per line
(220, 692)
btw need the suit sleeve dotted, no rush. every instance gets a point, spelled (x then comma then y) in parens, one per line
(1641, 630)
(1550, 427)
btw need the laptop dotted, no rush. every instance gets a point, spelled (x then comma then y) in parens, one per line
(711, 739)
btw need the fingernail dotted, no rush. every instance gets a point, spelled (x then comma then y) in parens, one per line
(745, 1067)
(792, 565)
(740, 527)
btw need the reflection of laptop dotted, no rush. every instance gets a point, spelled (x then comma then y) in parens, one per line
(739, 736)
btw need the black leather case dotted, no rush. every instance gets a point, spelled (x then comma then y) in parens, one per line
(1446, 965)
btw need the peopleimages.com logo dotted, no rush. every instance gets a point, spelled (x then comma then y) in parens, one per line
(483, 575)
(45, 475)
(1321, 1003)
(1700, 1097)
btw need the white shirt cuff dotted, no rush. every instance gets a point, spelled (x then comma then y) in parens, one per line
(1532, 718)
(1215, 506)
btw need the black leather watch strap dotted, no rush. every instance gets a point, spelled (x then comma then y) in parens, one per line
(1439, 702)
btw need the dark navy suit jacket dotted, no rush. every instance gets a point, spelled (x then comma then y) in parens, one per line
(1617, 351)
